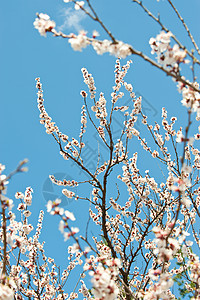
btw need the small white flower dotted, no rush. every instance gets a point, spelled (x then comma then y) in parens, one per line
(69, 215)
(49, 205)
(79, 4)
(79, 42)
(61, 226)
(43, 24)
(95, 34)
(2, 178)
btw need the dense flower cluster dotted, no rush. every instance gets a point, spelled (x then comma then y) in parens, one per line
(103, 280)
(43, 24)
(167, 55)
(27, 276)
(104, 272)
(191, 98)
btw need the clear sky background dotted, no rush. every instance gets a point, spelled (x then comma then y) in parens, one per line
(26, 55)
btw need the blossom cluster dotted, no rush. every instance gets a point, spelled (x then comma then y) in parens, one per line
(191, 98)
(44, 24)
(167, 55)
(104, 272)
(32, 274)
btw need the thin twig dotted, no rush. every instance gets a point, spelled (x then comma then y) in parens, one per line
(185, 25)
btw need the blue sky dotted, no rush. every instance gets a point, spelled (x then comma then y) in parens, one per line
(26, 55)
